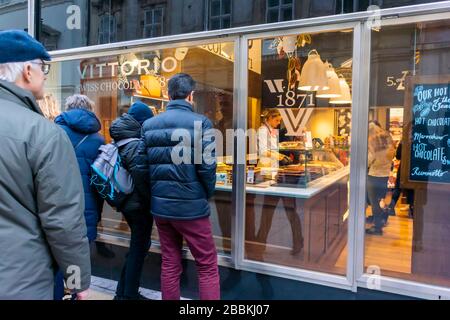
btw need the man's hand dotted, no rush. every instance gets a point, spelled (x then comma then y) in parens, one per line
(83, 295)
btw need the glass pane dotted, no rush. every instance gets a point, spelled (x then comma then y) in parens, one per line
(226, 23)
(157, 31)
(273, 3)
(115, 82)
(158, 15)
(272, 16)
(149, 17)
(298, 153)
(226, 7)
(75, 24)
(13, 15)
(286, 14)
(147, 32)
(407, 216)
(215, 8)
(215, 24)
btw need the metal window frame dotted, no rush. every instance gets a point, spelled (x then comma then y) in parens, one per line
(363, 279)
(339, 281)
(31, 17)
(355, 276)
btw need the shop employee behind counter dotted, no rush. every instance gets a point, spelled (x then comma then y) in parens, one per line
(268, 141)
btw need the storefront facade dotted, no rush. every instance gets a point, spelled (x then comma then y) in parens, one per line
(358, 97)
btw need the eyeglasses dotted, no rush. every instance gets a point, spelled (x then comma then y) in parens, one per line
(45, 67)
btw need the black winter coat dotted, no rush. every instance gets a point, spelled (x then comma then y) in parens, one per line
(133, 159)
(179, 191)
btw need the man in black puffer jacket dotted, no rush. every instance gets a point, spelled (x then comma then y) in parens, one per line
(180, 191)
(136, 208)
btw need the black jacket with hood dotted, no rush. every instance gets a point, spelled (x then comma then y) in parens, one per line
(134, 159)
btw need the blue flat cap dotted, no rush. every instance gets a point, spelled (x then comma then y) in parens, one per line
(19, 46)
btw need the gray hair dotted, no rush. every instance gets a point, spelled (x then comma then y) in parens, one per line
(79, 101)
(11, 71)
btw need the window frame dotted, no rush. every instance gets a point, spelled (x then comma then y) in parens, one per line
(221, 17)
(110, 33)
(280, 7)
(153, 25)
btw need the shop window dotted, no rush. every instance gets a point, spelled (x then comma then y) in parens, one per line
(298, 154)
(107, 31)
(153, 22)
(279, 10)
(407, 216)
(220, 12)
(114, 82)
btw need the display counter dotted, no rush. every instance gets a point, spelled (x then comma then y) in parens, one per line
(313, 225)
(271, 189)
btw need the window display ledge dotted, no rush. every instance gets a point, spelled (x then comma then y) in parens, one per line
(314, 187)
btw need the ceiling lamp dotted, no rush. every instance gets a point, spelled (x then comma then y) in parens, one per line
(346, 97)
(314, 74)
(334, 90)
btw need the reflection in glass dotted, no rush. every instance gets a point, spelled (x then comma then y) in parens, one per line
(114, 82)
(407, 216)
(298, 164)
(14, 15)
(77, 23)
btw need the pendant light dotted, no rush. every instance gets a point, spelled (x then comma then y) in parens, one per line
(334, 90)
(346, 97)
(314, 73)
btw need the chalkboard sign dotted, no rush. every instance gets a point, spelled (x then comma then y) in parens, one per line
(429, 147)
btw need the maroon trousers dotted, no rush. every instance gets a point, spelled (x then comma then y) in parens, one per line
(199, 238)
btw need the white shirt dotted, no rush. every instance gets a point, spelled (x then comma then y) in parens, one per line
(267, 141)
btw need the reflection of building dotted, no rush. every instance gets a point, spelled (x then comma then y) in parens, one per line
(120, 20)
(13, 14)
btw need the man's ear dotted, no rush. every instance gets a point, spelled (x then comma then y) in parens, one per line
(26, 73)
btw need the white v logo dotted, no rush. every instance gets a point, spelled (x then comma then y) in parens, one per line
(295, 123)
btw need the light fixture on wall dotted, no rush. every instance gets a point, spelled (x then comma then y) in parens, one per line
(314, 73)
(334, 90)
(346, 97)
(180, 53)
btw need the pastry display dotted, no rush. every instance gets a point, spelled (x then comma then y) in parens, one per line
(291, 145)
(313, 165)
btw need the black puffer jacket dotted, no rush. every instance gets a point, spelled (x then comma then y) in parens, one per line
(180, 191)
(134, 159)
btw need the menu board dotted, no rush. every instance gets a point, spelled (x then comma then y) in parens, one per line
(430, 131)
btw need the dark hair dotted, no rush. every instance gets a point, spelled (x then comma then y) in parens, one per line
(180, 86)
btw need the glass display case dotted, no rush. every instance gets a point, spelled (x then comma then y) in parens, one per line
(308, 165)
(305, 166)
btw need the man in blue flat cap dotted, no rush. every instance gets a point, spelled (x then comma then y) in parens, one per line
(41, 193)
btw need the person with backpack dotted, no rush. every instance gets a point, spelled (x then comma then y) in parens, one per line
(82, 127)
(180, 189)
(136, 205)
